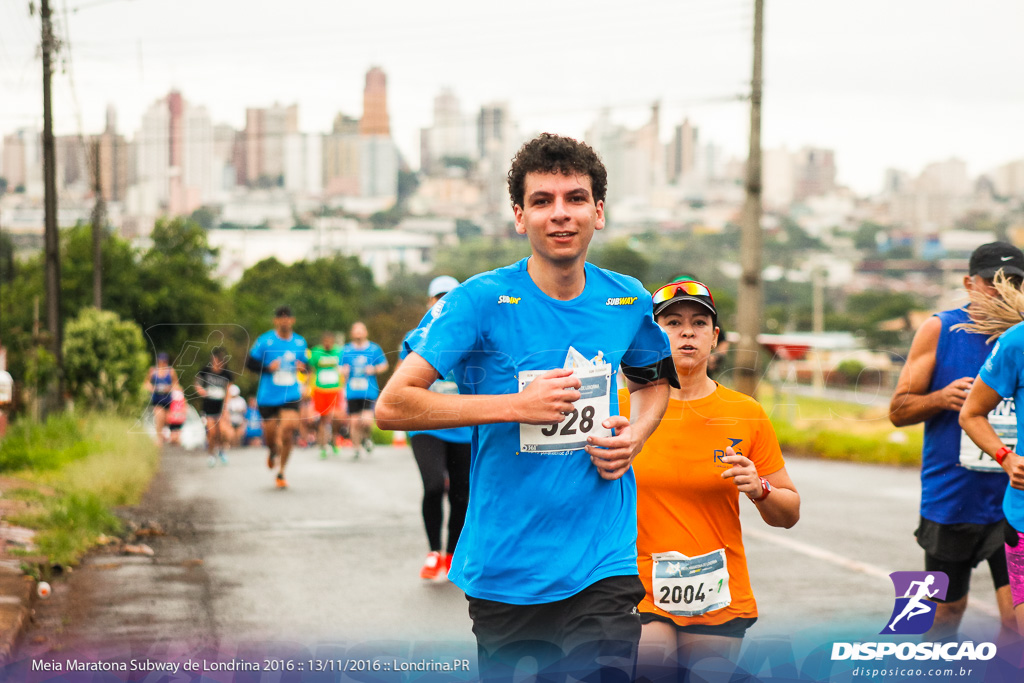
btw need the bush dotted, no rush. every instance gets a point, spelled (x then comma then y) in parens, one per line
(104, 359)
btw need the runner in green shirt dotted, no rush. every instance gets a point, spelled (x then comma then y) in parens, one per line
(325, 382)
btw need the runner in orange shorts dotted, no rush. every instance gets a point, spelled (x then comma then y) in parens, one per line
(325, 382)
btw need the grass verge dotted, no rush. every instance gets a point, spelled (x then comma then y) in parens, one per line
(842, 431)
(71, 473)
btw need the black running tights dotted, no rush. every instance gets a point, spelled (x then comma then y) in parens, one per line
(435, 459)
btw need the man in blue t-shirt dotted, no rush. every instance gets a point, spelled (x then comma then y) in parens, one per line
(547, 557)
(361, 362)
(278, 355)
(961, 522)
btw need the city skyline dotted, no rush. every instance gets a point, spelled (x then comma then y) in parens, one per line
(926, 82)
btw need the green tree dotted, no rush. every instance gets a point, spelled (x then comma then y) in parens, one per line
(178, 296)
(408, 181)
(104, 359)
(618, 256)
(6, 258)
(866, 236)
(206, 216)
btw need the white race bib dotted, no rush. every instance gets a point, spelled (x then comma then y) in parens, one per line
(284, 378)
(215, 392)
(329, 376)
(585, 420)
(359, 384)
(445, 386)
(1003, 419)
(689, 586)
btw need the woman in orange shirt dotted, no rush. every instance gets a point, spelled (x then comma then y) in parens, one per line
(713, 447)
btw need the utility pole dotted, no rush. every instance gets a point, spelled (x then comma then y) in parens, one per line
(51, 235)
(99, 220)
(749, 306)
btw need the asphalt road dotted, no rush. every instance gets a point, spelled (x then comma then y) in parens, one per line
(334, 561)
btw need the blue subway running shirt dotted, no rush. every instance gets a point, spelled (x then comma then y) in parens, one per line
(360, 384)
(1004, 372)
(446, 385)
(541, 526)
(281, 386)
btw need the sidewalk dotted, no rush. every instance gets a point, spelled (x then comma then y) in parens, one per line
(17, 589)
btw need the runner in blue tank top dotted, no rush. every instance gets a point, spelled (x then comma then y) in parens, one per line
(161, 380)
(278, 355)
(547, 556)
(961, 521)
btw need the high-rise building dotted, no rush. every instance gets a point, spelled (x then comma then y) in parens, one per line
(634, 159)
(1008, 179)
(265, 133)
(304, 163)
(681, 158)
(23, 162)
(378, 167)
(113, 159)
(174, 150)
(497, 142)
(448, 137)
(341, 158)
(375, 104)
(815, 173)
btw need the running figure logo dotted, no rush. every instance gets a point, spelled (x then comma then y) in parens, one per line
(914, 611)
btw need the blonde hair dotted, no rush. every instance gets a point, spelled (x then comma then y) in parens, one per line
(993, 315)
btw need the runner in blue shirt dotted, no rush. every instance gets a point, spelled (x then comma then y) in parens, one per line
(361, 361)
(278, 355)
(442, 456)
(1002, 376)
(253, 424)
(547, 557)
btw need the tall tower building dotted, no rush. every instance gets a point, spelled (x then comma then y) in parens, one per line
(375, 104)
(174, 157)
(450, 136)
(682, 152)
(265, 134)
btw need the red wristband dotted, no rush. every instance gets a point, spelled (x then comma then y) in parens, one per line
(1001, 454)
(766, 488)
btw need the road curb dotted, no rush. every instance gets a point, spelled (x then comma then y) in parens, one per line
(17, 590)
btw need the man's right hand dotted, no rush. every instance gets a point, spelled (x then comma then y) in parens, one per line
(953, 395)
(547, 399)
(274, 365)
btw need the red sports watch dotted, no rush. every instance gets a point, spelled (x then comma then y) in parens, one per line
(766, 488)
(1001, 454)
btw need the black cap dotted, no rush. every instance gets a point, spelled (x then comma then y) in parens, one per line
(988, 259)
(283, 312)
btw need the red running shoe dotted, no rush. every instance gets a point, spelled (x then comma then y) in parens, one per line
(433, 566)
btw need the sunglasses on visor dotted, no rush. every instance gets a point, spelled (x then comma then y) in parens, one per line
(674, 289)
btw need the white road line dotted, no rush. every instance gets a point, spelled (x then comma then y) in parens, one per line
(846, 562)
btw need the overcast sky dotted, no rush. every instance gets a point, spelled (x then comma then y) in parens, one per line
(885, 83)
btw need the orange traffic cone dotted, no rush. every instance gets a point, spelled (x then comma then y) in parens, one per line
(398, 439)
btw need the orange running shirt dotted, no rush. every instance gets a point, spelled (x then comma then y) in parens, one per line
(684, 505)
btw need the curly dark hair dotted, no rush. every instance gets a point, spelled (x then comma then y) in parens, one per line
(549, 153)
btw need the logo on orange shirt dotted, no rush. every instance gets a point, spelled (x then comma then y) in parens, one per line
(720, 453)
